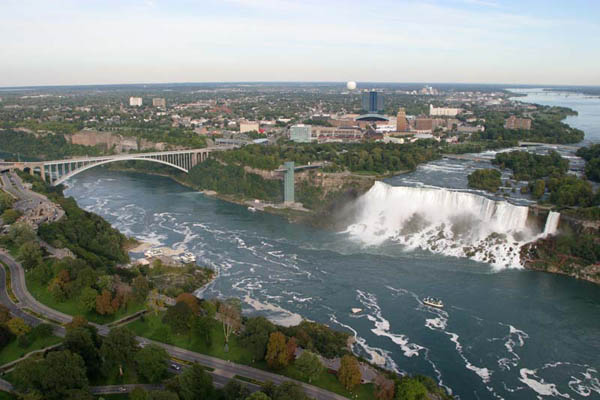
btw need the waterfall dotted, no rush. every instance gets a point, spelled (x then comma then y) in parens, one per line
(443, 221)
(551, 223)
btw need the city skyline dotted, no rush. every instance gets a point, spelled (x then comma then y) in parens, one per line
(462, 41)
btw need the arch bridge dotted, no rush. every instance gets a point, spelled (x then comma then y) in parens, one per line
(58, 171)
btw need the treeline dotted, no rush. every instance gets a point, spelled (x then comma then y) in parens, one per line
(485, 179)
(234, 180)
(87, 235)
(46, 147)
(367, 157)
(546, 127)
(526, 166)
(591, 155)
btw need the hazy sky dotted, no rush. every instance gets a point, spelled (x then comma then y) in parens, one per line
(133, 41)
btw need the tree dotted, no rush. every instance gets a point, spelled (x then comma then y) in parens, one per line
(10, 216)
(104, 303)
(58, 376)
(141, 289)
(190, 300)
(195, 384)
(5, 336)
(88, 298)
(162, 395)
(255, 336)
(234, 390)
(18, 326)
(309, 365)
(208, 308)
(291, 349)
(80, 341)
(78, 321)
(349, 373)
(179, 317)
(231, 318)
(138, 393)
(384, 388)
(258, 396)
(4, 314)
(277, 356)
(119, 347)
(289, 391)
(411, 389)
(539, 187)
(202, 328)
(152, 362)
(20, 233)
(30, 255)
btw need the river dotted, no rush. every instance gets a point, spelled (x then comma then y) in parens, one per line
(504, 333)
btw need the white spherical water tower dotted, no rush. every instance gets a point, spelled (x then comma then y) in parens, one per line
(351, 85)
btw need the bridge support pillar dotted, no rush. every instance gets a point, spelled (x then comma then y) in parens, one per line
(288, 182)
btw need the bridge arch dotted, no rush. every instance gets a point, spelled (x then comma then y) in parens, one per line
(96, 164)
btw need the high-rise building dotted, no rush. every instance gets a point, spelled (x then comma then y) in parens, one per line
(135, 101)
(401, 122)
(443, 111)
(372, 102)
(301, 133)
(159, 102)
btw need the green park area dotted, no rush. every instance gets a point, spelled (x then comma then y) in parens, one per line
(13, 350)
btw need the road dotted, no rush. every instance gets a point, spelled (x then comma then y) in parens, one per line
(223, 370)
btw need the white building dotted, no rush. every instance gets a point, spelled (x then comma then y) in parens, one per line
(443, 111)
(249, 126)
(135, 101)
(301, 133)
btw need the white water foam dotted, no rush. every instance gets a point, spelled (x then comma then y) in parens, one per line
(443, 221)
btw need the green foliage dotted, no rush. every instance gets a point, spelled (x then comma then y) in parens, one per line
(568, 190)
(162, 395)
(6, 201)
(289, 391)
(55, 376)
(277, 356)
(88, 235)
(411, 389)
(309, 365)
(256, 336)
(234, 390)
(49, 147)
(10, 216)
(527, 166)
(179, 317)
(486, 179)
(152, 363)
(319, 338)
(349, 373)
(538, 189)
(356, 157)
(591, 155)
(119, 347)
(258, 396)
(82, 341)
(30, 255)
(233, 180)
(21, 233)
(195, 383)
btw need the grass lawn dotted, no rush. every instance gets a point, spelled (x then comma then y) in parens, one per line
(237, 353)
(12, 351)
(73, 306)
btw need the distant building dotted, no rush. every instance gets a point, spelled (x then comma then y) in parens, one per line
(443, 111)
(372, 102)
(135, 101)
(249, 126)
(159, 102)
(333, 134)
(513, 122)
(424, 124)
(401, 122)
(300, 133)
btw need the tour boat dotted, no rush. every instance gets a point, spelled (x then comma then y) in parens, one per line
(433, 302)
(252, 209)
(188, 258)
(153, 253)
(356, 310)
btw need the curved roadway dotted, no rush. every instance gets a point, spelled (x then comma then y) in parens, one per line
(223, 370)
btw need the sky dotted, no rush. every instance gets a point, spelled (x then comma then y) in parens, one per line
(70, 42)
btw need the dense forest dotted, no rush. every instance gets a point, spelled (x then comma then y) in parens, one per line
(527, 166)
(47, 147)
(377, 158)
(591, 155)
(486, 179)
